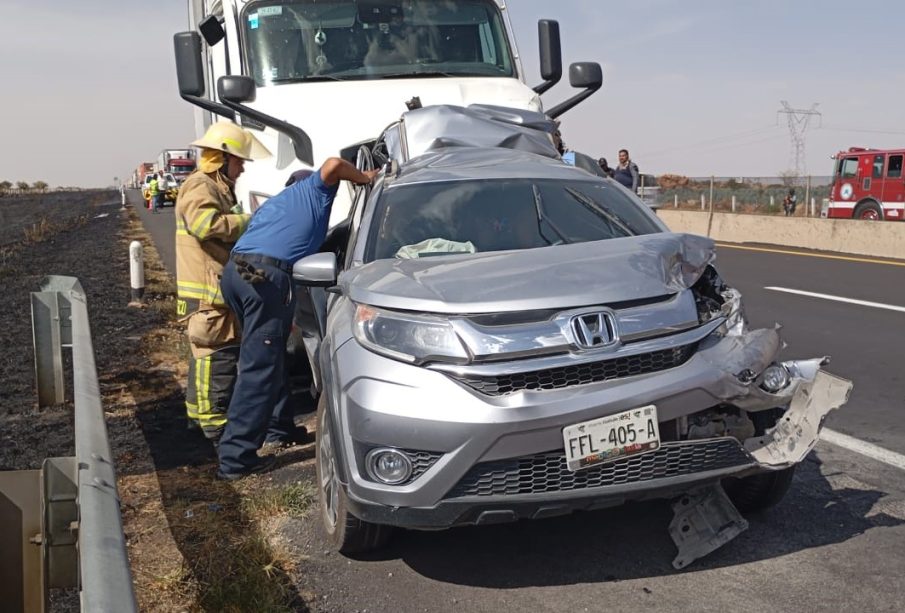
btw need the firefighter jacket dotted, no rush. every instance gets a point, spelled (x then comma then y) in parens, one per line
(206, 229)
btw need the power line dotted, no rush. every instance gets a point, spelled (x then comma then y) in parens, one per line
(865, 130)
(707, 143)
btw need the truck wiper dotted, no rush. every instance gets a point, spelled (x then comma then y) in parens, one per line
(542, 218)
(311, 79)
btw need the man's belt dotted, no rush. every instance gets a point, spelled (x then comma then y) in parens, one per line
(254, 258)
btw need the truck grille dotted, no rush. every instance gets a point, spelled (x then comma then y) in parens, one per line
(579, 374)
(547, 472)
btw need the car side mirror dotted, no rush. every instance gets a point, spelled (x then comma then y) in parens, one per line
(316, 270)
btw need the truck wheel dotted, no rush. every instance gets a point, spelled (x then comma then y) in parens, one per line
(347, 533)
(870, 211)
(759, 492)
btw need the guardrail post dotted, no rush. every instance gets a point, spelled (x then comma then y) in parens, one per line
(733, 203)
(703, 202)
(675, 198)
(47, 343)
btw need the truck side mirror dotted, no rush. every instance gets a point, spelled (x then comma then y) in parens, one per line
(586, 75)
(550, 54)
(211, 29)
(235, 91)
(190, 74)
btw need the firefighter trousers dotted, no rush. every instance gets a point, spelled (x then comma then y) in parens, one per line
(212, 335)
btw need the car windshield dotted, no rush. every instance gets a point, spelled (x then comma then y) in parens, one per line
(431, 219)
(303, 40)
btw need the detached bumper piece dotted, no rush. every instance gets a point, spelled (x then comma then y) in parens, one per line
(798, 430)
(705, 520)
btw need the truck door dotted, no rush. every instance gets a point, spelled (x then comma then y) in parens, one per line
(847, 187)
(894, 188)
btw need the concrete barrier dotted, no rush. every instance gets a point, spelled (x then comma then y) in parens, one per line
(884, 239)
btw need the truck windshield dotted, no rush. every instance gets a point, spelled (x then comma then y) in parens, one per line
(500, 214)
(306, 40)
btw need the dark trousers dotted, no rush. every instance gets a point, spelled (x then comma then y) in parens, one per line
(260, 406)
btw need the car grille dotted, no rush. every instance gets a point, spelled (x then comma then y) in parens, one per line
(579, 374)
(547, 472)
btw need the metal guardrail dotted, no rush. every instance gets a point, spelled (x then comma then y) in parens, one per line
(60, 527)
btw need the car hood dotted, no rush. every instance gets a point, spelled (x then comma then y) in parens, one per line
(562, 276)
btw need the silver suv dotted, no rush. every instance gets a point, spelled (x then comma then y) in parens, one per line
(503, 336)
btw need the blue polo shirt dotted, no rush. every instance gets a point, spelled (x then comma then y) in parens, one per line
(293, 223)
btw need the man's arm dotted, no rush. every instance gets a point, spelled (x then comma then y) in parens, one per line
(335, 170)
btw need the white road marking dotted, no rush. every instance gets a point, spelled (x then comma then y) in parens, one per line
(876, 305)
(864, 448)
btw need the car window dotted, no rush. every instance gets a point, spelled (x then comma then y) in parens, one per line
(495, 215)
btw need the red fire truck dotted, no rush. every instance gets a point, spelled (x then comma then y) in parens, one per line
(868, 184)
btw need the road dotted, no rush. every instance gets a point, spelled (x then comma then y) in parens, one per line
(836, 542)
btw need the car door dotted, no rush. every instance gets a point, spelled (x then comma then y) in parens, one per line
(894, 189)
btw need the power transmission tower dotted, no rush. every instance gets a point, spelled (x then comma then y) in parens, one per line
(799, 119)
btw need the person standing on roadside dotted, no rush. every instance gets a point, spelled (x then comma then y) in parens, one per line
(161, 191)
(605, 167)
(208, 223)
(627, 171)
(153, 186)
(257, 284)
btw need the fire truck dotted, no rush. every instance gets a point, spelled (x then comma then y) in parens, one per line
(868, 184)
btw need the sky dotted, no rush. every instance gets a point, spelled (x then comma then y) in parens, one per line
(88, 89)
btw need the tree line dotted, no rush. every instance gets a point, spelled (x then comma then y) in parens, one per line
(23, 187)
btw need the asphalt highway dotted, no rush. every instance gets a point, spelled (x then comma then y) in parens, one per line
(837, 541)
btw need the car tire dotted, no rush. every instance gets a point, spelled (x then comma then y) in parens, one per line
(759, 492)
(869, 211)
(347, 533)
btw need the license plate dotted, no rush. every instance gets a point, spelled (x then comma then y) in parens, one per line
(610, 438)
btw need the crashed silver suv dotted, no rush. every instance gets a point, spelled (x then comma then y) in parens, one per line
(507, 337)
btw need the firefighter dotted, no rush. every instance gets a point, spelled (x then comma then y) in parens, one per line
(153, 186)
(208, 223)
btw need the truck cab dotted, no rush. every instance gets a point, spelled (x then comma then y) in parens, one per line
(343, 70)
(868, 184)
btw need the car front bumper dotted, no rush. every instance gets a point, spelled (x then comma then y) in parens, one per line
(488, 459)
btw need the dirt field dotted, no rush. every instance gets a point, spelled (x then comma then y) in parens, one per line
(195, 544)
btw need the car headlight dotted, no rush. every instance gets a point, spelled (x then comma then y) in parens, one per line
(407, 337)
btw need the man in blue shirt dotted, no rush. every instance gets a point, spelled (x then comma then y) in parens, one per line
(257, 285)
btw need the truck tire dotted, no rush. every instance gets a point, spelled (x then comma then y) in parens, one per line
(347, 533)
(868, 210)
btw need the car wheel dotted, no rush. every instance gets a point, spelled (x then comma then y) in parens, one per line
(870, 211)
(759, 492)
(347, 533)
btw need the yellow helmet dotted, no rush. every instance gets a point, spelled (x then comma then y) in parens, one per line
(233, 139)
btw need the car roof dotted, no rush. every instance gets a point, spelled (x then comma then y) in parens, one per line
(478, 163)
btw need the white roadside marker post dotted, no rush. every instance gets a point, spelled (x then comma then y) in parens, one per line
(136, 272)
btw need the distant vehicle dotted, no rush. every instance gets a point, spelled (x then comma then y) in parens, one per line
(140, 174)
(868, 184)
(171, 187)
(179, 162)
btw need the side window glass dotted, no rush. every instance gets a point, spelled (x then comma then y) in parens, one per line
(895, 167)
(878, 166)
(849, 167)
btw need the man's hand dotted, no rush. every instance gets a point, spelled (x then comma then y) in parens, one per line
(335, 170)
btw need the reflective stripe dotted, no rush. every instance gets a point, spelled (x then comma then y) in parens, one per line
(180, 228)
(202, 225)
(190, 290)
(206, 416)
(243, 223)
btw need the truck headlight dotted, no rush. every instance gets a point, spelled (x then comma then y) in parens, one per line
(411, 338)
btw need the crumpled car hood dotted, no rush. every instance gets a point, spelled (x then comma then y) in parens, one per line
(562, 276)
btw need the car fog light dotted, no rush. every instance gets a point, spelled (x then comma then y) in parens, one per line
(389, 466)
(775, 378)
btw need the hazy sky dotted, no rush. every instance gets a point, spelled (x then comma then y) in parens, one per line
(692, 87)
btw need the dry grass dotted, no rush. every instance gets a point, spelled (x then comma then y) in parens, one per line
(195, 543)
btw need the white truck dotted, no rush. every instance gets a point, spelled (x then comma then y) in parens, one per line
(316, 78)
